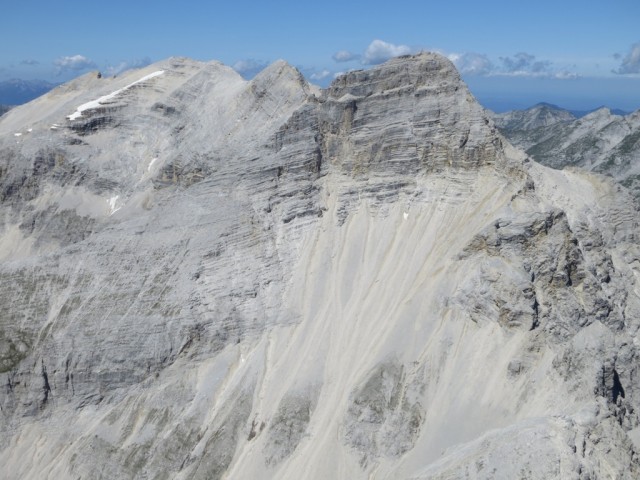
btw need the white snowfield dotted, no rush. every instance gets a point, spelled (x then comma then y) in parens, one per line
(107, 98)
(365, 282)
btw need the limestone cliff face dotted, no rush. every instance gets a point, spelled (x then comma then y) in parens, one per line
(205, 277)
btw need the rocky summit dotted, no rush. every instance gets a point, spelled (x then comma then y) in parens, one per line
(205, 277)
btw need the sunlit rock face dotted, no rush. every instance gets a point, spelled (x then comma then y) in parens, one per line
(204, 277)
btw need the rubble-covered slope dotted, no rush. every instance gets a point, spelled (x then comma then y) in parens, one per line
(205, 277)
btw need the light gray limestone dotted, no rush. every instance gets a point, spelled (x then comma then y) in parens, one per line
(204, 277)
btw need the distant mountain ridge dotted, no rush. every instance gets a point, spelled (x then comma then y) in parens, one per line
(17, 91)
(584, 113)
(4, 109)
(540, 115)
(602, 140)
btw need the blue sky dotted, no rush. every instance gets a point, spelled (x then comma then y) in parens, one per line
(579, 54)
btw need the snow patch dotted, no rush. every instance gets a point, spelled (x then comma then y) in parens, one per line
(153, 160)
(347, 97)
(17, 134)
(112, 205)
(104, 99)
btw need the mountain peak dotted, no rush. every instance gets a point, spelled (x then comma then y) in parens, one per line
(598, 114)
(407, 71)
(547, 105)
(539, 115)
(279, 71)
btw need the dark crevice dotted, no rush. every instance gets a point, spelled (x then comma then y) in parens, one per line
(617, 390)
(46, 388)
(536, 307)
(568, 270)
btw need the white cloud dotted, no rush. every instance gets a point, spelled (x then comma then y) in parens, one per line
(524, 73)
(519, 65)
(29, 62)
(250, 67)
(524, 64)
(630, 62)
(472, 63)
(127, 65)
(379, 52)
(320, 75)
(74, 63)
(345, 56)
(564, 75)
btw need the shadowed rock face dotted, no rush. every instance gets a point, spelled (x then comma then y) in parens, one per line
(205, 277)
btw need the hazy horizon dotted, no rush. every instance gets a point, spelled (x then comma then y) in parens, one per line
(577, 56)
(494, 93)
